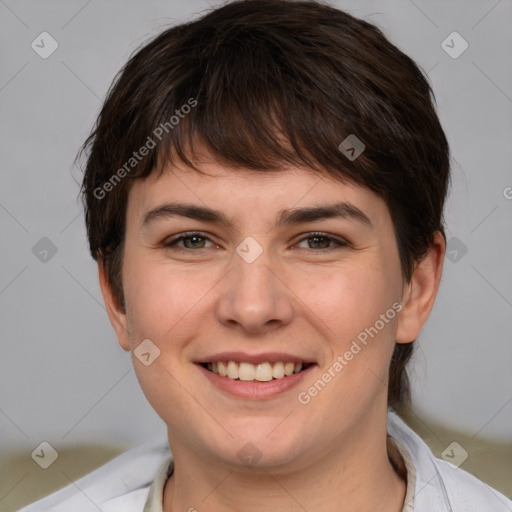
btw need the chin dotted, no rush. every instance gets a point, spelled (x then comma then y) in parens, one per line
(258, 447)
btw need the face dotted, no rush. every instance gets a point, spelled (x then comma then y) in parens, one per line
(267, 270)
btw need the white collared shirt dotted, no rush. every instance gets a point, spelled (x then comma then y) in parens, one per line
(134, 481)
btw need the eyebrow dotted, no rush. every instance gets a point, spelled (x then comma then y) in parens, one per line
(342, 210)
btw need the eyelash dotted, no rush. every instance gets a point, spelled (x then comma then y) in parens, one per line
(173, 243)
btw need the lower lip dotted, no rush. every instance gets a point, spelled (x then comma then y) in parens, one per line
(255, 389)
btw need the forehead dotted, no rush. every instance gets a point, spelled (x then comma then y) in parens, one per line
(246, 195)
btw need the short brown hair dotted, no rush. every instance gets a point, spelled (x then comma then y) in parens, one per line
(267, 83)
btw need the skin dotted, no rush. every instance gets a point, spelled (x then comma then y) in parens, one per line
(298, 297)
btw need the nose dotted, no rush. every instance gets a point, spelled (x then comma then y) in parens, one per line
(254, 297)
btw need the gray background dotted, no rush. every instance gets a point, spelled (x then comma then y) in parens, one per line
(63, 377)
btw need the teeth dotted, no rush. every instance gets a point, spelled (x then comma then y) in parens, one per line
(278, 370)
(232, 371)
(222, 369)
(262, 372)
(288, 368)
(246, 371)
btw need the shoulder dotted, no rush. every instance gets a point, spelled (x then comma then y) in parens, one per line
(121, 484)
(440, 485)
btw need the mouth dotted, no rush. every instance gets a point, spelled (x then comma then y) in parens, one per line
(261, 372)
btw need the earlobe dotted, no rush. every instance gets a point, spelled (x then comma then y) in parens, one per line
(420, 292)
(115, 312)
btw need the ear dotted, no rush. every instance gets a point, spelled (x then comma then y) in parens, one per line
(420, 293)
(115, 312)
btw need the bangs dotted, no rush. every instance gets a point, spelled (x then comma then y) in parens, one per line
(255, 107)
(262, 94)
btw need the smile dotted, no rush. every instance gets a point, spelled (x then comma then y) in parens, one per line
(262, 372)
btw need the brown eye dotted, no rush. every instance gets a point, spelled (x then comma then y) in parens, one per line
(319, 242)
(190, 241)
(323, 241)
(193, 242)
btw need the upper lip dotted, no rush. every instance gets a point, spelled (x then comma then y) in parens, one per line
(267, 357)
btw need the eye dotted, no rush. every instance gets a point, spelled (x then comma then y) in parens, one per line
(323, 241)
(191, 240)
(197, 241)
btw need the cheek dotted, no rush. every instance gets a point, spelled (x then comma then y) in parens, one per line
(160, 303)
(349, 299)
(159, 296)
(358, 317)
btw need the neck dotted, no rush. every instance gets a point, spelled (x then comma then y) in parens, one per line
(352, 474)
